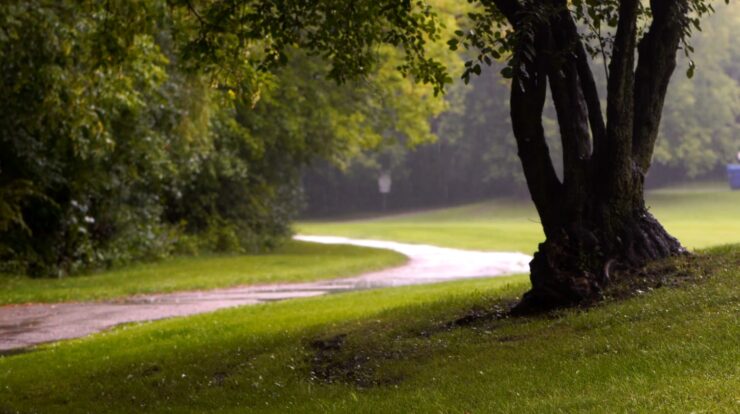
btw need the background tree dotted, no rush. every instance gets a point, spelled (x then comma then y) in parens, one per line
(473, 157)
(124, 139)
(701, 117)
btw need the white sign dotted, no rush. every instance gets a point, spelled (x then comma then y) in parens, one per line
(384, 182)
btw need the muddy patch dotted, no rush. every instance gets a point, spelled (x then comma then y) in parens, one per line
(476, 316)
(22, 326)
(370, 357)
(511, 338)
(218, 379)
(673, 272)
(332, 361)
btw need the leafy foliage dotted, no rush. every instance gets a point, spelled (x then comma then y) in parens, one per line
(345, 33)
(135, 130)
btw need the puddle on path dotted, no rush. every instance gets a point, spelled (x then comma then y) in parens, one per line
(27, 325)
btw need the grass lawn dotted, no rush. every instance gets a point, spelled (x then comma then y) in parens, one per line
(294, 262)
(700, 216)
(399, 351)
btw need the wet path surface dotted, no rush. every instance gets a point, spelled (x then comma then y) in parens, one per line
(22, 326)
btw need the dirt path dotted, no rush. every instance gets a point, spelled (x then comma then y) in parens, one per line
(22, 326)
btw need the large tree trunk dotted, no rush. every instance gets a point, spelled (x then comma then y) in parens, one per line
(596, 216)
(575, 266)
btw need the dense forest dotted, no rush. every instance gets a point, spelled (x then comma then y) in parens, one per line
(133, 130)
(475, 156)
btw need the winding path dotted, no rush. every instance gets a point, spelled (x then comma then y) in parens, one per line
(22, 326)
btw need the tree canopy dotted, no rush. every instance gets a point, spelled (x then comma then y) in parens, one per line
(134, 130)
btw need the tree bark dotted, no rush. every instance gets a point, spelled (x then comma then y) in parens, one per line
(654, 69)
(528, 95)
(571, 108)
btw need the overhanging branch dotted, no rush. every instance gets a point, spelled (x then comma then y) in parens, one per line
(656, 63)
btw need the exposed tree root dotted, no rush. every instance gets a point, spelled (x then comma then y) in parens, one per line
(576, 267)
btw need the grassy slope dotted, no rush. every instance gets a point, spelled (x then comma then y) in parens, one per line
(699, 216)
(294, 262)
(668, 350)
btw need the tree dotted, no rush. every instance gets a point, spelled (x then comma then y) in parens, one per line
(125, 136)
(596, 215)
(474, 157)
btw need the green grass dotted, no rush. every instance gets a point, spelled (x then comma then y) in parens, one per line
(294, 262)
(667, 350)
(700, 216)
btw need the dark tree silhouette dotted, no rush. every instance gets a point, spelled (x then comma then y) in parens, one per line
(596, 215)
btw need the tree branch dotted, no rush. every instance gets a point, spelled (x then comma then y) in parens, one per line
(528, 92)
(572, 44)
(570, 106)
(657, 61)
(615, 161)
(590, 93)
(509, 8)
